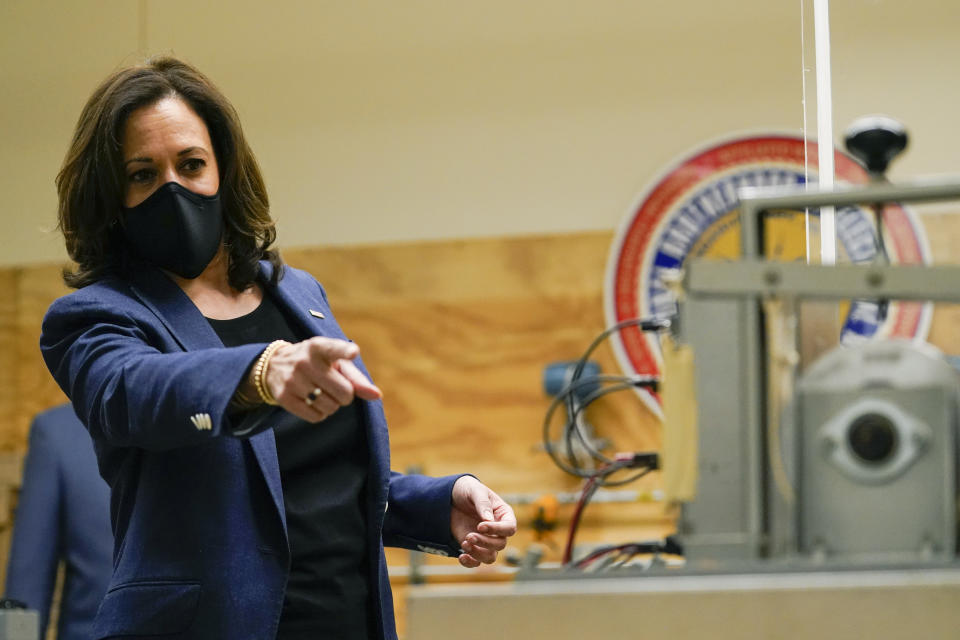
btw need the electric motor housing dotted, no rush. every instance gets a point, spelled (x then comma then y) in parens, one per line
(877, 455)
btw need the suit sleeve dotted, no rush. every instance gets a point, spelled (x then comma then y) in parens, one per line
(418, 514)
(35, 547)
(130, 394)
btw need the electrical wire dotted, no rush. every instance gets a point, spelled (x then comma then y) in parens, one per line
(668, 546)
(600, 385)
(589, 490)
(645, 324)
(618, 383)
(568, 396)
(596, 554)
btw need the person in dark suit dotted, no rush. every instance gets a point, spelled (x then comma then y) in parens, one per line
(63, 514)
(242, 438)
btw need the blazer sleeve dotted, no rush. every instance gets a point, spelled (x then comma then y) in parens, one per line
(130, 394)
(418, 514)
(35, 547)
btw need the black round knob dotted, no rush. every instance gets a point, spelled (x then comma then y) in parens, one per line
(872, 438)
(876, 141)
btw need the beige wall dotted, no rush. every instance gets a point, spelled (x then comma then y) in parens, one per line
(378, 121)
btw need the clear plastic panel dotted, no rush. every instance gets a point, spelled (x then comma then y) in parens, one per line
(897, 59)
(891, 58)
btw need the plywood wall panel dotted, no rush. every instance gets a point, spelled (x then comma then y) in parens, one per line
(456, 334)
(37, 287)
(11, 434)
(464, 387)
(456, 270)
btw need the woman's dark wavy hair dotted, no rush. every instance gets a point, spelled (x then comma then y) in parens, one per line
(91, 183)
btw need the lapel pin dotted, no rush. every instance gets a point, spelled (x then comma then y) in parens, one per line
(317, 314)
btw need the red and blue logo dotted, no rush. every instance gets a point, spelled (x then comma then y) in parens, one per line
(692, 210)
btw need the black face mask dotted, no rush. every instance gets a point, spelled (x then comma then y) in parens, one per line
(175, 229)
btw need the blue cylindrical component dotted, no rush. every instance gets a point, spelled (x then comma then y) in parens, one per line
(557, 375)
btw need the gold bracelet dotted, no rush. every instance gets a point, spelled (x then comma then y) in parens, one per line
(260, 372)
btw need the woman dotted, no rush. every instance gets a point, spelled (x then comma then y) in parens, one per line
(243, 441)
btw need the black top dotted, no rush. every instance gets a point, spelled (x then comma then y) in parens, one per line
(323, 471)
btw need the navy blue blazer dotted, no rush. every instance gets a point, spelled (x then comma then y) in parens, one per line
(63, 514)
(201, 549)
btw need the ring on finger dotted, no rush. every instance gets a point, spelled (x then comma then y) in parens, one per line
(312, 396)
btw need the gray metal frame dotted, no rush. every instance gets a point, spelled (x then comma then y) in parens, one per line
(749, 280)
(754, 201)
(754, 277)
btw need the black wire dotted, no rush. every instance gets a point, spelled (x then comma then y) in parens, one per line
(574, 408)
(594, 483)
(573, 423)
(619, 483)
(624, 383)
(654, 547)
(569, 390)
(644, 324)
(596, 554)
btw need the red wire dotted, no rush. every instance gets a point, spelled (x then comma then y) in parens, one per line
(578, 512)
(583, 563)
(589, 488)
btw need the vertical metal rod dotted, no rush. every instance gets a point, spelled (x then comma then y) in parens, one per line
(803, 101)
(821, 30)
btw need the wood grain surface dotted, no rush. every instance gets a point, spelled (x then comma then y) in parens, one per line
(457, 335)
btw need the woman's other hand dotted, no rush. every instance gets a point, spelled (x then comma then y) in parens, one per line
(480, 521)
(313, 378)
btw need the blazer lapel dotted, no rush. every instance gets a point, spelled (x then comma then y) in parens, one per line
(304, 302)
(191, 330)
(174, 309)
(306, 306)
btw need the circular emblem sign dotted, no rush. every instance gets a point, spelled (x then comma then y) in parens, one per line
(692, 211)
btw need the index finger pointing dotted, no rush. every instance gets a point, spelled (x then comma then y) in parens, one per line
(332, 349)
(361, 385)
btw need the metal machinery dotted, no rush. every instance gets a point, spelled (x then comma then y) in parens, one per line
(833, 514)
(826, 511)
(862, 467)
(876, 456)
(861, 542)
